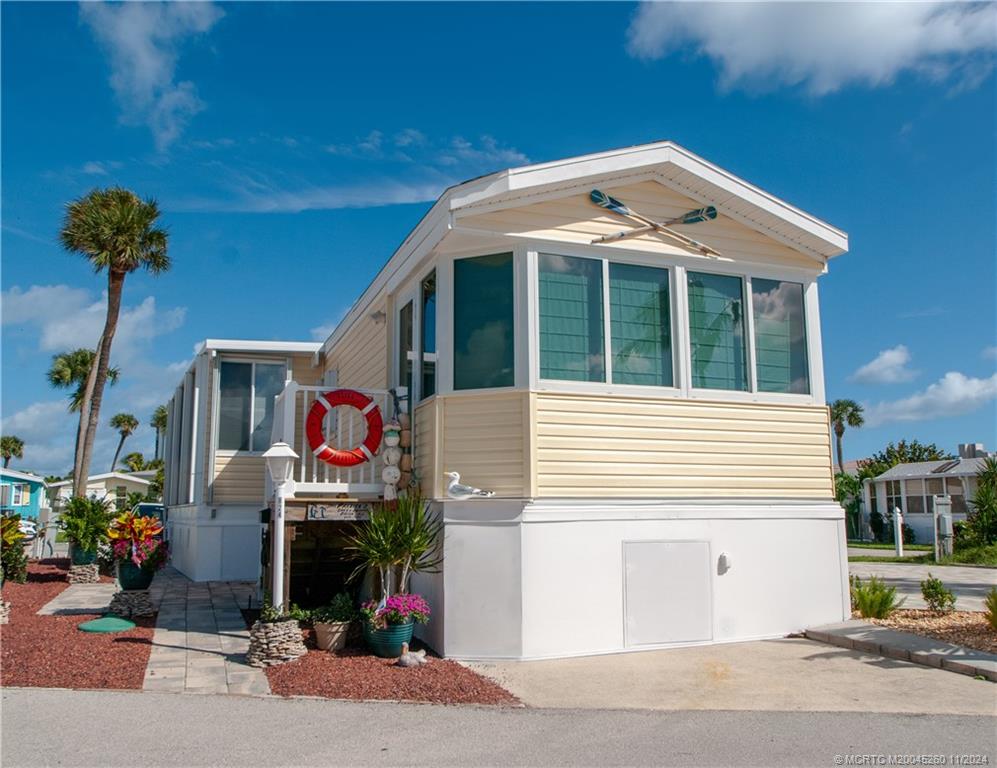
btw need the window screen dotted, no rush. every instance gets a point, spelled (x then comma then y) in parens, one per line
(780, 336)
(716, 331)
(572, 343)
(640, 323)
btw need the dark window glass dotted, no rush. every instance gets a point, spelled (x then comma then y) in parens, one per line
(484, 349)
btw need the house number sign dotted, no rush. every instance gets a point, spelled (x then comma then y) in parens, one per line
(337, 512)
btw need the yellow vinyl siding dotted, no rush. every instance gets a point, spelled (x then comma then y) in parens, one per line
(576, 219)
(360, 358)
(590, 445)
(483, 440)
(424, 448)
(239, 479)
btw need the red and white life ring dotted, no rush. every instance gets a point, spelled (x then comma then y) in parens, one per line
(336, 456)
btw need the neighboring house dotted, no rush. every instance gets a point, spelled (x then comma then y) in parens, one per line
(911, 488)
(22, 493)
(111, 485)
(652, 420)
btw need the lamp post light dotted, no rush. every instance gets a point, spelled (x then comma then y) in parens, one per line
(280, 464)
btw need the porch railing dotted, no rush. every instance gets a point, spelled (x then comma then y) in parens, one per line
(343, 428)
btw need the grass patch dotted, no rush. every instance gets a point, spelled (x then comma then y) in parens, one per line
(883, 545)
(973, 556)
(928, 559)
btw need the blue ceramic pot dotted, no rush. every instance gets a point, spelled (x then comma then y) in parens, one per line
(79, 556)
(387, 642)
(130, 576)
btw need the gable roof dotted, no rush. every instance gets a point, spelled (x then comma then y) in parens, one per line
(664, 161)
(13, 473)
(927, 469)
(105, 476)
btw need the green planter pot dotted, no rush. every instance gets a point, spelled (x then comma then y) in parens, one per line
(387, 642)
(130, 576)
(79, 556)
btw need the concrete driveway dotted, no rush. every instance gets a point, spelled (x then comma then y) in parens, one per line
(772, 675)
(970, 585)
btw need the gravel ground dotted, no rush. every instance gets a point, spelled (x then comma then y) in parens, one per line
(354, 673)
(49, 651)
(968, 628)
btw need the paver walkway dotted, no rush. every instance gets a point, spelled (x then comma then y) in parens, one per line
(970, 585)
(79, 599)
(201, 639)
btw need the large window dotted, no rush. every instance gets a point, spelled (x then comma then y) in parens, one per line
(572, 327)
(484, 351)
(640, 325)
(428, 294)
(246, 403)
(716, 332)
(780, 336)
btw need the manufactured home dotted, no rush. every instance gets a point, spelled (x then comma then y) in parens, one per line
(623, 348)
(111, 486)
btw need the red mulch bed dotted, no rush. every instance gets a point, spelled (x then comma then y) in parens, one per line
(354, 673)
(50, 652)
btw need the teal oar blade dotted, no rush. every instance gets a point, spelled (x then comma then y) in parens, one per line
(699, 215)
(610, 203)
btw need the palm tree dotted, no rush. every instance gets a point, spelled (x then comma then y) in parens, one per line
(70, 369)
(114, 230)
(158, 423)
(844, 413)
(125, 423)
(135, 462)
(11, 447)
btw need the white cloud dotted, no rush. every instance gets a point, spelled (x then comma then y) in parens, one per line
(143, 41)
(486, 152)
(954, 394)
(67, 318)
(989, 353)
(823, 46)
(93, 168)
(888, 367)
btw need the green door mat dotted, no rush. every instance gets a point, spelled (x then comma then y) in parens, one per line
(107, 624)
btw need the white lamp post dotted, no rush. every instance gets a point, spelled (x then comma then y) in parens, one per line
(280, 464)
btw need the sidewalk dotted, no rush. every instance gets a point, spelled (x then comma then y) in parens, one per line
(870, 638)
(201, 638)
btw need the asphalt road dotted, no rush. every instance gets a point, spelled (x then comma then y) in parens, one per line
(98, 728)
(970, 585)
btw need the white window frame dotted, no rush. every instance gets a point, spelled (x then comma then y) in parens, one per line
(678, 268)
(252, 399)
(17, 494)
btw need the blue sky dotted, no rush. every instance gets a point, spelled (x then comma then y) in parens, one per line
(293, 146)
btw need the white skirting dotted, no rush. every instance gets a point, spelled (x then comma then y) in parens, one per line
(220, 543)
(551, 578)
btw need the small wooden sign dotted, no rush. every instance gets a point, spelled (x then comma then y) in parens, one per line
(331, 512)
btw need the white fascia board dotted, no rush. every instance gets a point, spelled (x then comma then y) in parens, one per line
(21, 475)
(248, 345)
(105, 476)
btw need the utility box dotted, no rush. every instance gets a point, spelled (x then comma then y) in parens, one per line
(944, 532)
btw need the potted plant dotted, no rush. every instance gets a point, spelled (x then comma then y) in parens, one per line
(387, 626)
(332, 622)
(137, 550)
(85, 521)
(399, 539)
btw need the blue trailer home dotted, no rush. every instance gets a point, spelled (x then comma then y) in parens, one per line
(21, 493)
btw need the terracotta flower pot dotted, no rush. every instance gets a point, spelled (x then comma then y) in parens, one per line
(331, 636)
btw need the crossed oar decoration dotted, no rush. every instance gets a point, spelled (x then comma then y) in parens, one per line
(649, 225)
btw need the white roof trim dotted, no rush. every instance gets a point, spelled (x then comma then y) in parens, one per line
(21, 475)
(665, 159)
(105, 476)
(248, 345)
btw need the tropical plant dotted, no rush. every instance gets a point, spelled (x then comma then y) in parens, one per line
(848, 493)
(340, 609)
(399, 539)
(84, 521)
(844, 413)
(126, 424)
(874, 599)
(13, 560)
(134, 462)
(115, 231)
(133, 499)
(134, 538)
(11, 447)
(981, 523)
(990, 606)
(158, 422)
(397, 609)
(936, 596)
(71, 369)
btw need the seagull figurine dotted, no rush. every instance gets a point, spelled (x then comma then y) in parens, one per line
(411, 658)
(455, 490)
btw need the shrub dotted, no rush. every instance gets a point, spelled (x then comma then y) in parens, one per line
(936, 595)
(990, 607)
(85, 521)
(874, 599)
(981, 523)
(397, 609)
(340, 609)
(13, 560)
